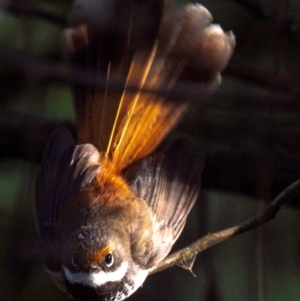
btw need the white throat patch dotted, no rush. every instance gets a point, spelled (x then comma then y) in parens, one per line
(97, 278)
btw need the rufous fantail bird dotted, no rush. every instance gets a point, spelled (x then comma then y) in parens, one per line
(110, 207)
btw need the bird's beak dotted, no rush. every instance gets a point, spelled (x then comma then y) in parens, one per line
(92, 268)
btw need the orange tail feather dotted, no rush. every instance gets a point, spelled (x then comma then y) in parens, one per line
(129, 125)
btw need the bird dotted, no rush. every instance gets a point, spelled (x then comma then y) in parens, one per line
(111, 204)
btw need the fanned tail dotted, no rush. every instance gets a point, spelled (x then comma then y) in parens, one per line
(181, 45)
(148, 117)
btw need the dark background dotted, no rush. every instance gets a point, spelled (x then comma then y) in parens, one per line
(249, 130)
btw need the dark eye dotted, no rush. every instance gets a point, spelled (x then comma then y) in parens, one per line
(109, 260)
(75, 260)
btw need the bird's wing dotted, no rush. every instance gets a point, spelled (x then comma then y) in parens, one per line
(65, 170)
(170, 183)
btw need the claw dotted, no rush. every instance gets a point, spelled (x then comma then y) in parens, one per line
(188, 265)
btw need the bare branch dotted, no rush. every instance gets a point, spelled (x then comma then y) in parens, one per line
(189, 253)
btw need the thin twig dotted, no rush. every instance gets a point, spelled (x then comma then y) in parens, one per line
(187, 254)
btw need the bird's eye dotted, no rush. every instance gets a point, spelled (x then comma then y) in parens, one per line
(75, 260)
(109, 260)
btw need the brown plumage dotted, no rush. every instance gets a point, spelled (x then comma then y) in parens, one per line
(109, 208)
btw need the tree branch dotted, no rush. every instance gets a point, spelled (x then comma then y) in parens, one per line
(189, 253)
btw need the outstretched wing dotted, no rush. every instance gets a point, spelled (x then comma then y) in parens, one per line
(65, 170)
(170, 183)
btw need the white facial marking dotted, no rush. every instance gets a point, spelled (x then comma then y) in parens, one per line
(138, 281)
(97, 278)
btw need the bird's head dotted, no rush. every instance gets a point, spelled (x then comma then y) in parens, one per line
(100, 267)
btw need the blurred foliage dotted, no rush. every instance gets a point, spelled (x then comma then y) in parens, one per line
(261, 265)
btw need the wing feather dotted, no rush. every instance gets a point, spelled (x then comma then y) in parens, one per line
(65, 170)
(170, 184)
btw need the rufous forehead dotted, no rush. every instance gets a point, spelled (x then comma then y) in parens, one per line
(99, 255)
